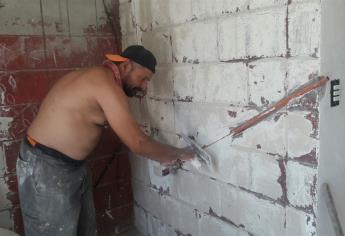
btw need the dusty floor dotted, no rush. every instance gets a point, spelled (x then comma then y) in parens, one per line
(132, 232)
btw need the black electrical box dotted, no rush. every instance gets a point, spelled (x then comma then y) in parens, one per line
(335, 92)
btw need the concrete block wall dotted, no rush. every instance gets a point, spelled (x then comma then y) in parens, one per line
(219, 63)
(41, 40)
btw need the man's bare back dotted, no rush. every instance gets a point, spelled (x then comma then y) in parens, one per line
(70, 119)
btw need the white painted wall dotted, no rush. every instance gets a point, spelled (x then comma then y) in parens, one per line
(332, 125)
(220, 62)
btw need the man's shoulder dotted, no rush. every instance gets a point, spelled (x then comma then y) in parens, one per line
(102, 81)
(96, 75)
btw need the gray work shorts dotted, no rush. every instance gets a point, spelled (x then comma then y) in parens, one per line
(55, 195)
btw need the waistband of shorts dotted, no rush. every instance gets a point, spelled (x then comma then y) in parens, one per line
(52, 152)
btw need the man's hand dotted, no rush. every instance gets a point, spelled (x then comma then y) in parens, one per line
(186, 154)
(180, 156)
(171, 165)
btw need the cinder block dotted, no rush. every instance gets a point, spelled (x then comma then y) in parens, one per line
(55, 17)
(20, 18)
(159, 43)
(232, 165)
(126, 19)
(103, 27)
(180, 11)
(301, 185)
(252, 213)
(139, 189)
(140, 169)
(212, 226)
(299, 223)
(129, 39)
(265, 174)
(221, 83)
(300, 133)
(139, 109)
(300, 69)
(257, 214)
(200, 191)
(267, 81)
(180, 216)
(255, 171)
(171, 211)
(206, 123)
(82, 25)
(268, 135)
(189, 42)
(147, 198)
(142, 15)
(160, 13)
(161, 85)
(229, 203)
(184, 81)
(163, 184)
(253, 4)
(157, 228)
(153, 202)
(259, 34)
(205, 9)
(305, 28)
(140, 220)
(188, 220)
(161, 115)
(154, 13)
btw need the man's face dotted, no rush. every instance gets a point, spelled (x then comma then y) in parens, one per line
(136, 80)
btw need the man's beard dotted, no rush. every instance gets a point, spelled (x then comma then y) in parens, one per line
(133, 91)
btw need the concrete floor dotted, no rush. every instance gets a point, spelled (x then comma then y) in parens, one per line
(132, 232)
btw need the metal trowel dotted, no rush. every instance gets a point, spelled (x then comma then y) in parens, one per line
(202, 155)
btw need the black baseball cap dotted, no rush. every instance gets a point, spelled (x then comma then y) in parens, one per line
(138, 54)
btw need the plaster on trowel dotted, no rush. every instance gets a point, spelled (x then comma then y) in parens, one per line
(202, 156)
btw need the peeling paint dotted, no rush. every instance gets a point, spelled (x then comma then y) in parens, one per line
(5, 124)
(282, 181)
(308, 159)
(232, 114)
(185, 99)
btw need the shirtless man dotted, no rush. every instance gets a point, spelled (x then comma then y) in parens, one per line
(54, 185)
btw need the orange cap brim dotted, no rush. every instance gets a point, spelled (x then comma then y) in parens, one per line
(116, 58)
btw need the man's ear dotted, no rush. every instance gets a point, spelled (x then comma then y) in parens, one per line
(127, 66)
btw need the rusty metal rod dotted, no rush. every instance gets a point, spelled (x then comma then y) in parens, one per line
(303, 89)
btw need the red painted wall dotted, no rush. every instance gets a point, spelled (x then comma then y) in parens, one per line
(30, 63)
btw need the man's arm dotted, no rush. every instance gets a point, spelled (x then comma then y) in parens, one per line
(115, 106)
